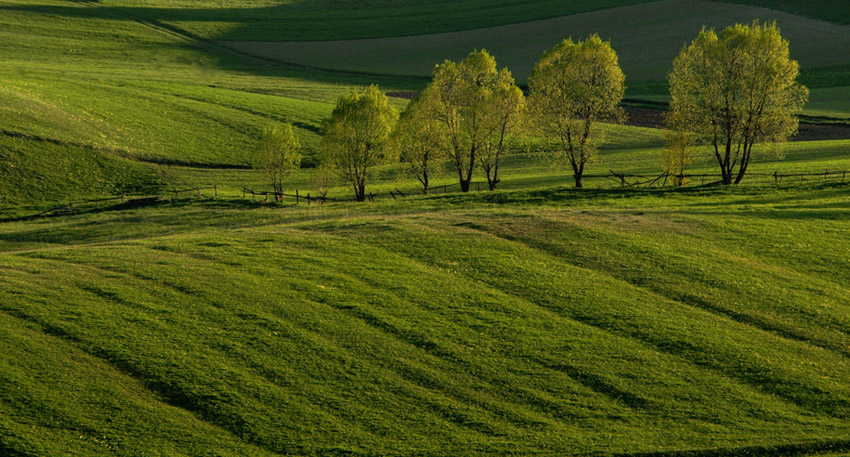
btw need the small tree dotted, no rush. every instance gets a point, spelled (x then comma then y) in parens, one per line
(734, 90)
(322, 178)
(475, 105)
(419, 142)
(502, 119)
(277, 155)
(677, 153)
(574, 86)
(356, 135)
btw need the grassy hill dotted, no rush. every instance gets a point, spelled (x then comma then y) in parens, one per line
(532, 320)
(646, 47)
(556, 322)
(82, 78)
(323, 20)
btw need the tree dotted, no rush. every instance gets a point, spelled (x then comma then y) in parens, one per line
(676, 155)
(574, 86)
(277, 155)
(476, 106)
(506, 107)
(322, 178)
(737, 89)
(356, 135)
(418, 141)
(678, 151)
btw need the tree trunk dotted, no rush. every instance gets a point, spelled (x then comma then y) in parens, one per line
(578, 173)
(742, 170)
(464, 185)
(425, 182)
(360, 192)
(493, 181)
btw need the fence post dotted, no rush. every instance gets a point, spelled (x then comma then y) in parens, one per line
(308, 198)
(775, 177)
(825, 174)
(371, 197)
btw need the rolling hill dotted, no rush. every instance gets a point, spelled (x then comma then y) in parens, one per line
(534, 320)
(553, 323)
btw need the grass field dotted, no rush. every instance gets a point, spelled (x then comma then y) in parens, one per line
(555, 322)
(131, 91)
(646, 46)
(323, 20)
(534, 320)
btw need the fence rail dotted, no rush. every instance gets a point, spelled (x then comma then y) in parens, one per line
(321, 199)
(624, 180)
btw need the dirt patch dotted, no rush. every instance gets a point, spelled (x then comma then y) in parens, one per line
(654, 118)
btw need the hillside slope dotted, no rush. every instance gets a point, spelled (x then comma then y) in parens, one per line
(323, 20)
(646, 46)
(550, 323)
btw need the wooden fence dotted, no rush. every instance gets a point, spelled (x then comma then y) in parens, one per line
(623, 179)
(77, 206)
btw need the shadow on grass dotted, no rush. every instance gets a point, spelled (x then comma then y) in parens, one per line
(224, 57)
(784, 450)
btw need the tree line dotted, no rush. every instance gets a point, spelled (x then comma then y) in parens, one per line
(731, 91)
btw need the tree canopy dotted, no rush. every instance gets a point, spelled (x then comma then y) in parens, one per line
(419, 142)
(476, 106)
(356, 135)
(277, 155)
(574, 86)
(734, 90)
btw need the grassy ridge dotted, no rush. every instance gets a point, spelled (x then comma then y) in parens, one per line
(113, 95)
(533, 320)
(646, 48)
(102, 81)
(546, 323)
(36, 171)
(324, 20)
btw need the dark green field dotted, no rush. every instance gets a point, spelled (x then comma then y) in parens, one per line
(534, 320)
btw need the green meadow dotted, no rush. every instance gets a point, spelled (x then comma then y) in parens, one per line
(518, 322)
(533, 320)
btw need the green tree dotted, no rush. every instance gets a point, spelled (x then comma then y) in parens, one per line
(734, 90)
(574, 86)
(277, 155)
(418, 141)
(677, 154)
(503, 118)
(475, 105)
(356, 135)
(322, 178)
